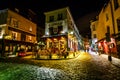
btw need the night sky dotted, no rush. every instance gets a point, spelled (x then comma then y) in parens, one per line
(78, 8)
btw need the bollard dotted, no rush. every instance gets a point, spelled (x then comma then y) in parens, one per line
(109, 58)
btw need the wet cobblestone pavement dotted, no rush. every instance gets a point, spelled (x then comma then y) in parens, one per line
(85, 67)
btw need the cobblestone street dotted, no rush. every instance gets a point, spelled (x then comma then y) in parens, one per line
(87, 66)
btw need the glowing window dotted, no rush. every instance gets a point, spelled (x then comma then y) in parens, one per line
(14, 35)
(30, 38)
(30, 29)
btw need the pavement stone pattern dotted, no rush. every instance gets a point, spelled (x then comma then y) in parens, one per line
(86, 66)
(10, 71)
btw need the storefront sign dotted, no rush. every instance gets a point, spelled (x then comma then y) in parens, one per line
(56, 23)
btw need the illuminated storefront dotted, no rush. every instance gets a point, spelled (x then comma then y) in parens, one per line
(61, 34)
(16, 33)
(61, 43)
(57, 44)
(108, 47)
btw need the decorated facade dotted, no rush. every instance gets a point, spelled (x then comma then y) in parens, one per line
(61, 33)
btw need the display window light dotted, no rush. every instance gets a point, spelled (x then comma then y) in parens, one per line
(71, 32)
(47, 33)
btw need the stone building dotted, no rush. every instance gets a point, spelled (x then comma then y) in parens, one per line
(61, 33)
(16, 32)
(106, 29)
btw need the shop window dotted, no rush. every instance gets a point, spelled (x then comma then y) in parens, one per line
(56, 44)
(61, 45)
(50, 44)
(29, 48)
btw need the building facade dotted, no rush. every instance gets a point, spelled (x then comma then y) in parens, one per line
(16, 32)
(94, 34)
(61, 33)
(107, 30)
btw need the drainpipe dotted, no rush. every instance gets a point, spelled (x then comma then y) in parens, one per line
(113, 20)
